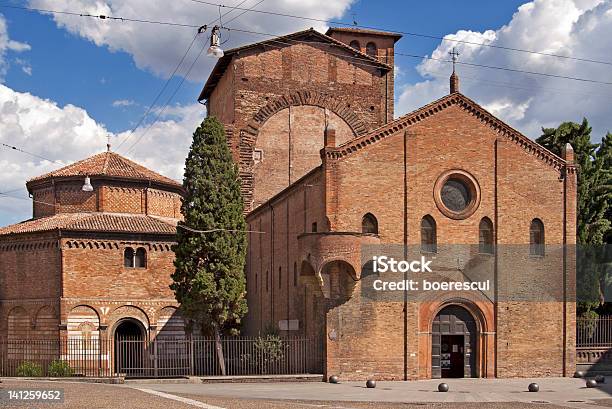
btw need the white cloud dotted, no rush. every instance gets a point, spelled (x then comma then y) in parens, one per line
(158, 48)
(66, 134)
(6, 44)
(123, 103)
(18, 46)
(579, 28)
(25, 66)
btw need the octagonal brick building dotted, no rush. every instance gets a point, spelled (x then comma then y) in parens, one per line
(92, 264)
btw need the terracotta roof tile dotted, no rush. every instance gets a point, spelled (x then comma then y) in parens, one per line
(104, 222)
(107, 164)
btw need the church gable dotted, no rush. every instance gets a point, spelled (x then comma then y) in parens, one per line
(431, 111)
(304, 55)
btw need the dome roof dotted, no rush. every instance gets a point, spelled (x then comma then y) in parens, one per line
(106, 164)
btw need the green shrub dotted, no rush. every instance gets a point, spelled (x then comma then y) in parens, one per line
(30, 369)
(59, 368)
(269, 351)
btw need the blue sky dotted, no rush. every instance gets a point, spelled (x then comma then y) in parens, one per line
(71, 70)
(66, 83)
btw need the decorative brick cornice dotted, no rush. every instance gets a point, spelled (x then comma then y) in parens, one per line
(114, 245)
(29, 246)
(435, 107)
(308, 98)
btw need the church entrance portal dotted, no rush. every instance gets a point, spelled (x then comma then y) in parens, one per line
(129, 348)
(453, 344)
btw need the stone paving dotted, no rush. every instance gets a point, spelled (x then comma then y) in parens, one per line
(464, 394)
(565, 392)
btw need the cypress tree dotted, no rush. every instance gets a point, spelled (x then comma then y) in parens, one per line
(593, 207)
(209, 279)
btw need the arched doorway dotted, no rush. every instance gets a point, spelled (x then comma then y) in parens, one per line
(130, 348)
(454, 336)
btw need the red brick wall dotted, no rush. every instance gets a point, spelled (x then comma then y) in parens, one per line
(123, 199)
(290, 147)
(30, 286)
(70, 198)
(270, 303)
(25, 263)
(386, 53)
(222, 99)
(113, 291)
(113, 197)
(43, 202)
(516, 185)
(99, 263)
(259, 78)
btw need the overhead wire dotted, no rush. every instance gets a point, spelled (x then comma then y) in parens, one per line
(284, 41)
(186, 75)
(274, 36)
(342, 23)
(159, 94)
(352, 25)
(15, 148)
(413, 34)
(98, 16)
(4, 194)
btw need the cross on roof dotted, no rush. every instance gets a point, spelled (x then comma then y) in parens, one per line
(454, 55)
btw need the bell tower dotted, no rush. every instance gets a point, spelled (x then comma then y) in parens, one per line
(378, 44)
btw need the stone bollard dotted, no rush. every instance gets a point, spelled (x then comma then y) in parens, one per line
(534, 387)
(370, 383)
(443, 387)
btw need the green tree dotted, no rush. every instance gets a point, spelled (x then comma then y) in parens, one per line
(209, 279)
(593, 207)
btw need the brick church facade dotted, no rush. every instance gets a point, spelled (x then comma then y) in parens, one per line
(329, 178)
(328, 175)
(91, 265)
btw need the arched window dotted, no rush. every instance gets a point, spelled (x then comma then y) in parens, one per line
(536, 238)
(140, 258)
(128, 257)
(369, 224)
(485, 236)
(429, 242)
(371, 50)
(355, 45)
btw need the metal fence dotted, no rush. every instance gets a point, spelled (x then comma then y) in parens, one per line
(594, 332)
(164, 357)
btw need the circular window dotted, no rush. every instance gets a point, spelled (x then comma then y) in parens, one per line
(457, 194)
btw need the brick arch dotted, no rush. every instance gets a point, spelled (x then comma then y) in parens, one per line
(128, 311)
(308, 98)
(46, 321)
(83, 322)
(18, 323)
(338, 278)
(481, 309)
(476, 311)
